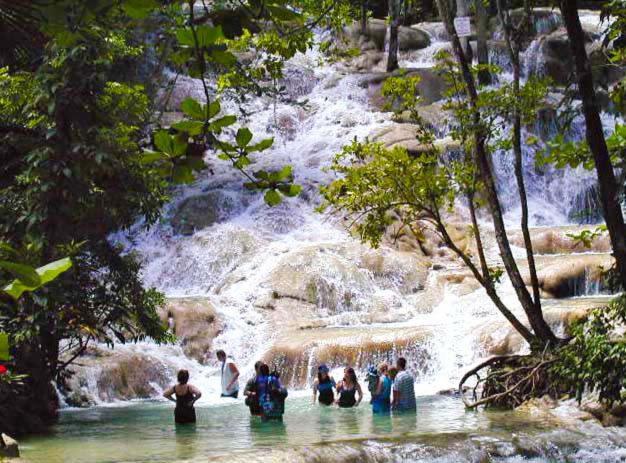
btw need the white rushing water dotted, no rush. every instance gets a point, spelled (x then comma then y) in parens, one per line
(230, 262)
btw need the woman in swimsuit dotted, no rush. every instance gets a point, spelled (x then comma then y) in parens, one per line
(348, 389)
(186, 395)
(323, 387)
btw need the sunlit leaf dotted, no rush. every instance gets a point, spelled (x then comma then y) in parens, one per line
(25, 273)
(47, 273)
(243, 137)
(272, 197)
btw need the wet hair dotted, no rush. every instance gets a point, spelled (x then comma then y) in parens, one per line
(352, 375)
(220, 353)
(183, 376)
(383, 368)
(401, 362)
(320, 375)
(264, 370)
(257, 365)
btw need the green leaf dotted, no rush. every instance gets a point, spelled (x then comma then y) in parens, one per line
(218, 124)
(225, 58)
(290, 190)
(206, 36)
(47, 273)
(182, 174)
(214, 108)
(272, 198)
(282, 13)
(4, 347)
(170, 144)
(139, 9)
(192, 108)
(243, 137)
(149, 156)
(262, 145)
(191, 127)
(25, 273)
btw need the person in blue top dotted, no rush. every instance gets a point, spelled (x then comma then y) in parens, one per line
(271, 394)
(381, 398)
(323, 386)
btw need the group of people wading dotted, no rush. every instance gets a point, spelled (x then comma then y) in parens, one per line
(391, 388)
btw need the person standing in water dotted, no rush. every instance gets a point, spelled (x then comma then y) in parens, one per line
(271, 394)
(250, 391)
(348, 389)
(381, 398)
(230, 375)
(403, 388)
(324, 385)
(186, 395)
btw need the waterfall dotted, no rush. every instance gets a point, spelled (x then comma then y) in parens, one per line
(291, 286)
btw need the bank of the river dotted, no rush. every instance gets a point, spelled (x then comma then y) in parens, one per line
(441, 431)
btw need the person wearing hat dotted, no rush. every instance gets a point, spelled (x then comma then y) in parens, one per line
(323, 386)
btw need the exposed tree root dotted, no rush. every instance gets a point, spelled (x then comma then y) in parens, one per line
(508, 381)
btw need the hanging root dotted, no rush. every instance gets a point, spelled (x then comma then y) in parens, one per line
(508, 381)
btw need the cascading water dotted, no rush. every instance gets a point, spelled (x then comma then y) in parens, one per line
(292, 284)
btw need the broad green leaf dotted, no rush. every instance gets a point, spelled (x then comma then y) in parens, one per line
(191, 127)
(243, 137)
(285, 173)
(205, 35)
(218, 124)
(149, 156)
(25, 273)
(225, 58)
(272, 198)
(170, 144)
(47, 273)
(262, 145)
(282, 13)
(214, 109)
(139, 9)
(182, 174)
(192, 108)
(290, 190)
(4, 347)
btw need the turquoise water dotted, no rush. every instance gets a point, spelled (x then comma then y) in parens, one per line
(441, 431)
(145, 431)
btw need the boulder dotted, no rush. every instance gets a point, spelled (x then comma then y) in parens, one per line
(412, 38)
(9, 447)
(201, 211)
(431, 87)
(375, 32)
(194, 323)
(368, 60)
(544, 20)
(404, 135)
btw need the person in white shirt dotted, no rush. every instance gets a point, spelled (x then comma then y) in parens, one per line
(230, 375)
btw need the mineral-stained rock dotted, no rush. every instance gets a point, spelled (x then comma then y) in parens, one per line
(201, 211)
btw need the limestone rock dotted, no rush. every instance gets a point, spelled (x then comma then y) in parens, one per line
(9, 447)
(202, 211)
(195, 325)
(555, 240)
(375, 32)
(412, 38)
(566, 276)
(404, 135)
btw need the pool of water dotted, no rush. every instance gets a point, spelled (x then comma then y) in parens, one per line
(145, 431)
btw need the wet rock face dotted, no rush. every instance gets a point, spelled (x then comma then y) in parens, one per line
(568, 276)
(202, 211)
(195, 324)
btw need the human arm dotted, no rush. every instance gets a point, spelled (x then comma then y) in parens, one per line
(315, 384)
(359, 392)
(396, 394)
(196, 393)
(233, 369)
(249, 390)
(169, 393)
(379, 385)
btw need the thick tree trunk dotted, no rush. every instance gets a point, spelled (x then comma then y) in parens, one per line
(395, 7)
(482, 51)
(535, 317)
(609, 189)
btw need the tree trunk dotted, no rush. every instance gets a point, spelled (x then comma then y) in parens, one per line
(482, 52)
(512, 37)
(462, 9)
(609, 189)
(363, 17)
(535, 316)
(395, 6)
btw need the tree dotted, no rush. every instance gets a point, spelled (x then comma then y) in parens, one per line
(596, 141)
(482, 51)
(76, 165)
(541, 330)
(395, 11)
